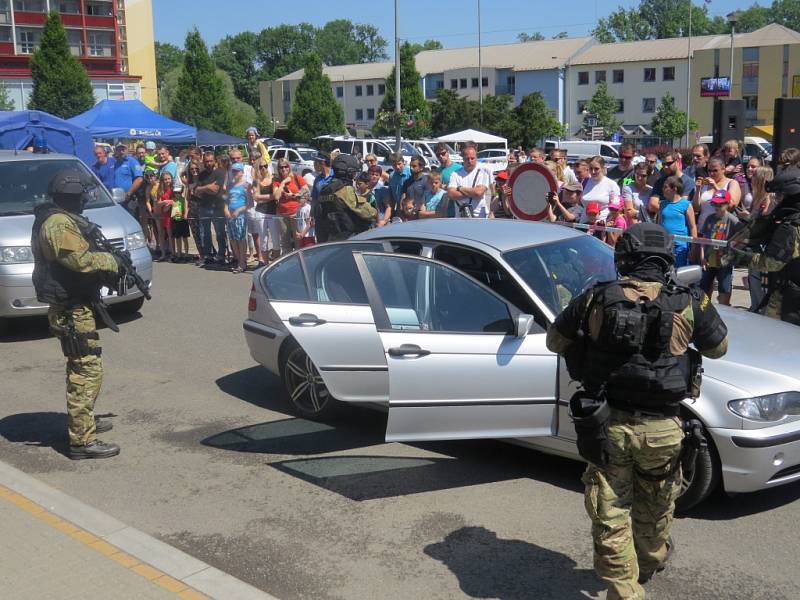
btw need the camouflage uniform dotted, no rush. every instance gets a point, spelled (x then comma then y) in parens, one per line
(61, 241)
(770, 264)
(631, 499)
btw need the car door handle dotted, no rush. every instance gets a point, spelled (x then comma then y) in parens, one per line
(306, 319)
(408, 350)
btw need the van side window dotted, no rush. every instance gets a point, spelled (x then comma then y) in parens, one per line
(608, 151)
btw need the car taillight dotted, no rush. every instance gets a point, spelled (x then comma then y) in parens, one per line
(251, 303)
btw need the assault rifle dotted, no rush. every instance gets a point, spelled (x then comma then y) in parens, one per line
(127, 271)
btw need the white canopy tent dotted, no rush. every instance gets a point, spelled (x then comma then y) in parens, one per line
(473, 135)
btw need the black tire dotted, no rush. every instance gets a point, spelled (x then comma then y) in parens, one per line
(4, 323)
(130, 307)
(306, 393)
(704, 479)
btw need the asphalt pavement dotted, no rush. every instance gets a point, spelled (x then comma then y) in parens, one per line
(214, 465)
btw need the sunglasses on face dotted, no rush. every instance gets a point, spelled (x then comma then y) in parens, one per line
(668, 164)
(652, 162)
(283, 167)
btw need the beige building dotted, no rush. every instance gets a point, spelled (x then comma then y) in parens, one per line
(138, 47)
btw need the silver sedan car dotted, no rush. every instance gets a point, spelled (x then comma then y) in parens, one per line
(443, 323)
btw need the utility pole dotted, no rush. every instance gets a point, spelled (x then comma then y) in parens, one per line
(689, 77)
(397, 107)
(480, 66)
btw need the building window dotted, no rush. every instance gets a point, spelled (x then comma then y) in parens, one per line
(462, 83)
(485, 82)
(371, 114)
(620, 106)
(511, 82)
(474, 82)
(454, 84)
(100, 43)
(648, 105)
(650, 74)
(599, 76)
(581, 106)
(381, 89)
(99, 9)
(370, 90)
(750, 70)
(359, 90)
(583, 77)
(359, 114)
(287, 94)
(27, 42)
(618, 76)
(30, 5)
(750, 102)
(69, 7)
(668, 74)
(339, 91)
(750, 54)
(439, 84)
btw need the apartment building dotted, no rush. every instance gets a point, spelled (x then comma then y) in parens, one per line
(112, 38)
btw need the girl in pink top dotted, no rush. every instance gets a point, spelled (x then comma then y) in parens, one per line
(615, 218)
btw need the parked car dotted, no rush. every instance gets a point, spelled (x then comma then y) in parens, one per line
(583, 149)
(353, 322)
(495, 159)
(24, 178)
(299, 157)
(754, 147)
(359, 147)
(427, 148)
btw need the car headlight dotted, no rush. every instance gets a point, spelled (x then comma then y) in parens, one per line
(135, 240)
(772, 407)
(12, 255)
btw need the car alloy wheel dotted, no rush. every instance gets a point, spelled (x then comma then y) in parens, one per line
(307, 391)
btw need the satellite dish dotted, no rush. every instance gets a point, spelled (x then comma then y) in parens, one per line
(530, 184)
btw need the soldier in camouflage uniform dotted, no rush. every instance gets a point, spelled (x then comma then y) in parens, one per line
(341, 212)
(68, 273)
(626, 341)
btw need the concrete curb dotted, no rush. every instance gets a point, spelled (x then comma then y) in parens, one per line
(175, 563)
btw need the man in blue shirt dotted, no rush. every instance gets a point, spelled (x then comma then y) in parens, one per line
(104, 167)
(322, 166)
(127, 172)
(397, 180)
(167, 164)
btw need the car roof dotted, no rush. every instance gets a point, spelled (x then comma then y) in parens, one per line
(21, 155)
(500, 234)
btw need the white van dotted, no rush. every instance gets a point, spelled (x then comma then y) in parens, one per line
(756, 147)
(577, 149)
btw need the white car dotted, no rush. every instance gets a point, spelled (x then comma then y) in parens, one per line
(494, 159)
(299, 158)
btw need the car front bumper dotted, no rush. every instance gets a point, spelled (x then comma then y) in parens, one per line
(755, 459)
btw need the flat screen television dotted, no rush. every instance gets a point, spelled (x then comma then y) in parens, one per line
(715, 86)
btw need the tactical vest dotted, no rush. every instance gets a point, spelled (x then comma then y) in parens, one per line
(630, 356)
(333, 219)
(54, 283)
(782, 246)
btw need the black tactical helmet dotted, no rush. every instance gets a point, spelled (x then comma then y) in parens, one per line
(642, 240)
(786, 183)
(345, 166)
(68, 188)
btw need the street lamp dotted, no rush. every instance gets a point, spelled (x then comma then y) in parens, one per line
(733, 18)
(689, 76)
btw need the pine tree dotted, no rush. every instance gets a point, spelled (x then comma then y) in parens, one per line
(602, 107)
(315, 110)
(6, 103)
(200, 97)
(534, 121)
(669, 122)
(61, 85)
(416, 114)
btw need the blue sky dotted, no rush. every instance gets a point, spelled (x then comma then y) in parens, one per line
(452, 22)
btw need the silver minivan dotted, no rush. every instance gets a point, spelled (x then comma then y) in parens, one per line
(24, 179)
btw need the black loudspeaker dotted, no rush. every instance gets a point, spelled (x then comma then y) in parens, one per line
(786, 129)
(728, 121)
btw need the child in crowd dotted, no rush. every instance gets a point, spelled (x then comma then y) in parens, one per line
(180, 229)
(237, 202)
(719, 226)
(164, 192)
(591, 218)
(434, 194)
(615, 219)
(568, 208)
(304, 232)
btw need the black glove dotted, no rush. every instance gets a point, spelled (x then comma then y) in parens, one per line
(122, 266)
(736, 256)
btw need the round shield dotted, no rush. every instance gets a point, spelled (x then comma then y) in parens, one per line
(530, 184)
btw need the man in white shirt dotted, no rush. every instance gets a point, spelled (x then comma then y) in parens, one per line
(470, 186)
(236, 157)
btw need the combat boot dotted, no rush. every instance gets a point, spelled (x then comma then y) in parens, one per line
(102, 425)
(95, 449)
(645, 576)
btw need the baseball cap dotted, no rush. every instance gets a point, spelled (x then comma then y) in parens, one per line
(573, 187)
(323, 158)
(721, 197)
(149, 145)
(120, 147)
(237, 167)
(615, 204)
(592, 208)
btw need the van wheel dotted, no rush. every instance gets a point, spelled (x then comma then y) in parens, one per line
(3, 326)
(705, 478)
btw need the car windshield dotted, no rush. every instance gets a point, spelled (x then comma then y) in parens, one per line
(23, 185)
(767, 147)
(308, 154)
(560, 271)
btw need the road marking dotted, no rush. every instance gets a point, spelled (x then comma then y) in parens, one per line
(180, 589)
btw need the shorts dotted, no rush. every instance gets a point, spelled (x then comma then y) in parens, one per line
(237, 228)
(255, 226)
(180, 228)
(724, 277)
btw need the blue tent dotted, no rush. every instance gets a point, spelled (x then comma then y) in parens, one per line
(19, 128)
(206, 137)
(128, 119)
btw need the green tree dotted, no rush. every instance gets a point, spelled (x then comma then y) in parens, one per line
(60, 83)
(669, 122)
(656, 19)
(6, 103)
(602, 106)
(786, 13)
(341, 42)
(426, 45)
(533, 37)
(754, 18)
(498, 117)
(237, 55)
(284, 49)
(199, 98)
(168, 57)
(315, 110)
(533, 121)
(412, 100)
(451, 112)
(561, 35)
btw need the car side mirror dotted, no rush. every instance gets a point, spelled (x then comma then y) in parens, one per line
(523, 326)
(689, 275)
(118, 195)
